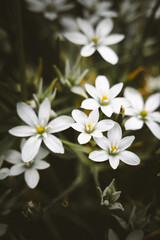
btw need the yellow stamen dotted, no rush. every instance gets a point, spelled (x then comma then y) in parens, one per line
(40, 129)
(95, 39)
(122, 110)
(28, 164)
(143, 113)
(89, 126)
(104, 98)
(113, 148)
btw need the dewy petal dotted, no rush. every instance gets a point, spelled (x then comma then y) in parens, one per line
(44, 112)
(42, 153)
(99, 156)
(115, 90)
(135, 98)
(84, 138)
(86, 28)
(115, 134)
(104, 28)
(22, 131)
(104, 125)
(76, 38)
(31, 148)
(133, 123)
(13, 156)
(94, 116)
(113, 39)
(136, 235)
(31, 177)
(154, 128)
(126, 142)
(108, 54)
(60, 123)
(4, 172)
(114, 161)
(87, 50)
(90, 104)
(41, 165)
(107, 110)
(102, 142)
(102, 84)
(17, 169)
(129, 158)
(79, 116)
(78, 127)
(53, 143)
(152, 103)
(91, 90)
(26, 113)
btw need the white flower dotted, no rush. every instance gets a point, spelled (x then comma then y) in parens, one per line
(114, 148)
(39, 129)
(134, 235)
(89, 125)
(49, 8)
(104, 97)
(143, 112)
(29, 169)
(97, 39)
(4, 172)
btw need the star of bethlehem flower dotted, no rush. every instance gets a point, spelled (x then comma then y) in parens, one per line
(98, 39)
(114, 148)
(39, 129)
(104, 97)
(143, 113)
(29, 169)
(89, 125)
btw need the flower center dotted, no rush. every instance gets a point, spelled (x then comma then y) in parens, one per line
(95, 39)
(104, 98)
(28, 164)
(89, 127)
(113, 150)
(122, 110)
(40, 129)
(50, 7)
(143, 113)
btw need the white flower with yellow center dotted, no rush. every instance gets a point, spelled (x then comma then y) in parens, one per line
(39, 129)
(114, 148)
(104, 97)
(98, 39)
(29, 169)
(89, 125)
(143, 112)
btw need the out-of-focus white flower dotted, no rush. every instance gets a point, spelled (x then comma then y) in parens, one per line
(104, 97)
(39, 129)
(89, 125)
(29, 169)
(49, 8)
(4, 172)
(135, 235)
(98, 39)
(114, 148)
(143, 112)
(153, 83)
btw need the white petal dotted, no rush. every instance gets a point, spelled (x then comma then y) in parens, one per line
(13, 156)
(90, 104)
(26, 113)
(22, 131)
(126, 142)
(17, 169)
(113, 39)
(121, 101)
(35, 6)
(60, 123)
(87, 50)
(154, 128)
(108, 54)
(104, 125)
(44, 111)
(114, 161)
(104, 28)
(91, 90)
(4, 172)
(97, 134)
(154, 116)
(115, 90)
(94, 116)
(115, 134)
(31, 148)
(133, 123)
(53, 143)
(99, 156)
(42, 153)
(102, 84)
(79, 90)
(76, 37)
(136, 235)
(79, 116)
(84, 138)
(50, 15)
(129, 158)
(41, 164)
(107, 110)
(86, 28)
(78, 127)
(31, 177)
(103, 142)
(152, 103)
(134, 97)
